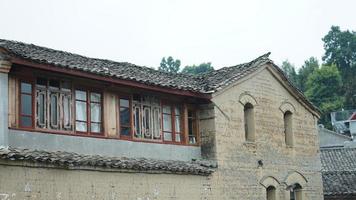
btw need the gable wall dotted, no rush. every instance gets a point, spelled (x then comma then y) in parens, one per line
(239, 172)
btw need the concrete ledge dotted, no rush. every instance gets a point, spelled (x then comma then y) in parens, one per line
(104, 147)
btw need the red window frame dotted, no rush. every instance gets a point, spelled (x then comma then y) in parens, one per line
(194, 118)
(32, 103)
(118, 113)
(88, 102)
(173, 122)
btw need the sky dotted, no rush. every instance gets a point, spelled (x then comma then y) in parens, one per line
(223, 32)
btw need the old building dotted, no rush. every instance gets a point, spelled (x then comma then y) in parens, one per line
(74, 127)
(329, 138)
(339, 173)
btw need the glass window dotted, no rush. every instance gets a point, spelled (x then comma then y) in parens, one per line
(81, 110)
(192, 127)
(54, 113)
(125, 117)
(167, 123)
(26, 104)
(177, 124)
(95, 112)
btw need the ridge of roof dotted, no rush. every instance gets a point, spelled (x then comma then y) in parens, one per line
(71, 160)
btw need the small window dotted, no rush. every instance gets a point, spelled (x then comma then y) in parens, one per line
(295, 192)
(271, 193)
(178, 124)
(88, 108)
(26, 105)
(249, 122)
(288, 128)
(167, 123)
(192, 127)
(125, 117)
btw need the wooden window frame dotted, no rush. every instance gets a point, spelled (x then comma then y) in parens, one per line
(31, 82)
(173, 122)
(88, 111)
(196, 119)
(129, 98)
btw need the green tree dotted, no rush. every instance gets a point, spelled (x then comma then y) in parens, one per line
(198, 69)
(169, 65)
(308, 68)
(324, 86)
(289, 69)
(340, 49)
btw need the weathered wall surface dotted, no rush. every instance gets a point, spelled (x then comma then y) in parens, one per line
(58, 184)
(331, 139)
(239, 174)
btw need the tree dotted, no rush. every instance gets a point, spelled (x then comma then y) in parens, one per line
(170, 65)
(198, 69)
(290, 72)
(308, 68)
(324, 86)
(340, 49)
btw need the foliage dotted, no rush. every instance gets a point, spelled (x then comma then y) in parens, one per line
(340, 49)
(198, 69)
(290, 72)
(169, 65)
(324, 86)
(308, 68)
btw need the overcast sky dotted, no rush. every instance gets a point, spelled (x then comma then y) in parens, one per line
(142, 32)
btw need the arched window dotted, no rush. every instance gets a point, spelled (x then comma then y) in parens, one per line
(296, 192)
(288, 128)
(249, 121)
(271, 193)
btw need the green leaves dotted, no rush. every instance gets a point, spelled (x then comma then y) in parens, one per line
(198, 69)
(169, 65)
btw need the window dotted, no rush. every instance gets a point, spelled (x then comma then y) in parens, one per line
(125, 117)
(26, 109)
(147, 117)
(53, 104)
(295, 192)
(88, 111)
(288, 128)
(271, 193)
(192, 127)
(171, 123)
(249, 122)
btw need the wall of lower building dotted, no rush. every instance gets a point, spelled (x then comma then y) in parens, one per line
(331, 139)
(239, 173)
(17, 182)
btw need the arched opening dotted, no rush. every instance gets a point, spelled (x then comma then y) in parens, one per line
(249, 121)
(271, 193)
(296, 192)
(288, 128)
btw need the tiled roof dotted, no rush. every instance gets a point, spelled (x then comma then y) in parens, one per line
(339, 171)
(73, 160)
(206, 83)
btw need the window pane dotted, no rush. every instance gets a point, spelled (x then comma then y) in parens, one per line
(167, 136)
(177, 124)
(81, 126)
(167, 123)
(124, 103)
(54, 83)
(26, 87)
(54, 109)
(166, 109)
(26, 104)
(80, 95)
(81, 110)
(26, 121)
(41, 108)
(66, 86)
(156, 123)
(177, 111)
(124, 116)
(125, 131)
(95, 97)
(95, 127)
(66, 111)
(178, 137)
(95, 112)
(41, 82)
(137, 121)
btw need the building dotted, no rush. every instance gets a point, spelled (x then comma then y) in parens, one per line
(339, 173)
(330, 138)
(74, 127)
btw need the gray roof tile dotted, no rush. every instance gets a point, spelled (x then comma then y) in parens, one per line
(68, 160)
